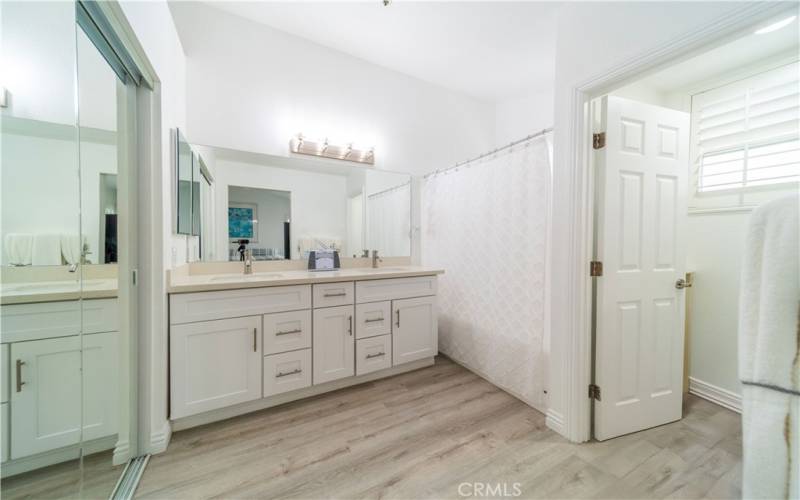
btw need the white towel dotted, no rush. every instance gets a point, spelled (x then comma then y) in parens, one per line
(769, 354)
(71, 248)
(18, 249)
(46, 250)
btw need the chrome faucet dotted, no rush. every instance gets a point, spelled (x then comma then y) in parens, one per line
(375, 259)
(248, 261)
(365, 254)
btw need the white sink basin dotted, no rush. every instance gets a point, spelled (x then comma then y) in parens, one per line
(246, 277)
(379, 269)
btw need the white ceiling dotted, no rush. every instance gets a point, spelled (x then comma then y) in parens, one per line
(729, 58)
(489, 50)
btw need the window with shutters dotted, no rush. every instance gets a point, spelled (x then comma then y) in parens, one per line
(746, 134)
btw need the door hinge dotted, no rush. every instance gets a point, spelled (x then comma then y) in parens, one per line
(595, 268)
(594, 392)
(599, 140)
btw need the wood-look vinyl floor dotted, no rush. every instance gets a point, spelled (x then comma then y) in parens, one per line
(424, 433)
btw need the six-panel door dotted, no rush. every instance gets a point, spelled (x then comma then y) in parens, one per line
(334, 344)
(215, 364)
(414, 329)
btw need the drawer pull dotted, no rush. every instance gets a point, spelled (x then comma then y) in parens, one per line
(289, 332)
(373, 320)
(20, 383)
(377, 355)
(340, 294)
(293, 372)
(255, 340)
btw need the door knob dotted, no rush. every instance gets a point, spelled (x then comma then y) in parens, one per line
(682, 283)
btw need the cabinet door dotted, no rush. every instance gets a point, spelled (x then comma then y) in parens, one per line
(100, 385)
(214, 364)
(334, 348)
(414, 329)
(45, 395)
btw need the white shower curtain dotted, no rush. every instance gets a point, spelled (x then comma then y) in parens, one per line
(486, 224)
(389, 221)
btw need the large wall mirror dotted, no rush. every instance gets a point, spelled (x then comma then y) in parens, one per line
(283, 208)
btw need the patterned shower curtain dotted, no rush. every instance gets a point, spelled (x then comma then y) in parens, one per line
(485, 224)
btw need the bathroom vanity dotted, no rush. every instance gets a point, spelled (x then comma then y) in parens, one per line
(239, 343)
(60, 346)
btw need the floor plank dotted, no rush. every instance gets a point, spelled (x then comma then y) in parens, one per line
(423, 433)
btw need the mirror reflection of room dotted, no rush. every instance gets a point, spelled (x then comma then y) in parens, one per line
(283, 209)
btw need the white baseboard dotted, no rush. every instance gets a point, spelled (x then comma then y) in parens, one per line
(160, 440)
(555, 421)
(122, 453)
(718, 395)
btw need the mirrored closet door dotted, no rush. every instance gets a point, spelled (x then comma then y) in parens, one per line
(68, 302)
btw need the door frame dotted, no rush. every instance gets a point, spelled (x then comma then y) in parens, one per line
(575, 369)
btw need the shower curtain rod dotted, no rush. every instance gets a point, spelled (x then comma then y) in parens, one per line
(489, 153)
(376, 193)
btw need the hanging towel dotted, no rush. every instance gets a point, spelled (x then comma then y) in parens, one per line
(769, 351)
(71, 248)
(18, 248)
(46, 250)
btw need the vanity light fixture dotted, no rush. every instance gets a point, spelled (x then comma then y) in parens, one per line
(775, 26)
(325, 149)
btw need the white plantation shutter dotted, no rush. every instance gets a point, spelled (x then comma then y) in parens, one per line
(748, 133)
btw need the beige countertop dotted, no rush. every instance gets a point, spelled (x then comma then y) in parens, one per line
(228, 281)
(53, 291)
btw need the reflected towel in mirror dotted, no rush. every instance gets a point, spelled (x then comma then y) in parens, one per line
(46, 250)
(18, 249)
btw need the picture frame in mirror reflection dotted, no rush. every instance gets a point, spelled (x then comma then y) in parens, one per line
(242, 221)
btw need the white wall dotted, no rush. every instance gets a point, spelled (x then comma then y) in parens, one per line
(716, 244)
(593, 39)
(152, 22)
(252, 88)
(154, 28)
(318, 201)
(520, 117)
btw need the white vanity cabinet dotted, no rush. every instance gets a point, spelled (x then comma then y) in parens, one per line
(334, 343)
(214, 364)
(229, 348)
(42, 357)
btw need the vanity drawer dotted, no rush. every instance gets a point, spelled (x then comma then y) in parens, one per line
(334, 294)
(21, 322)
(373, 354)
(287, 331)
(373, 319)
(202, 306)
(286, 372)
(396, 288)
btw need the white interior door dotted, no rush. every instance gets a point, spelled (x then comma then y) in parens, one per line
(642, 184)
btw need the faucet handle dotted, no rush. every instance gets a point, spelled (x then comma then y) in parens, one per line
(365, 253)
